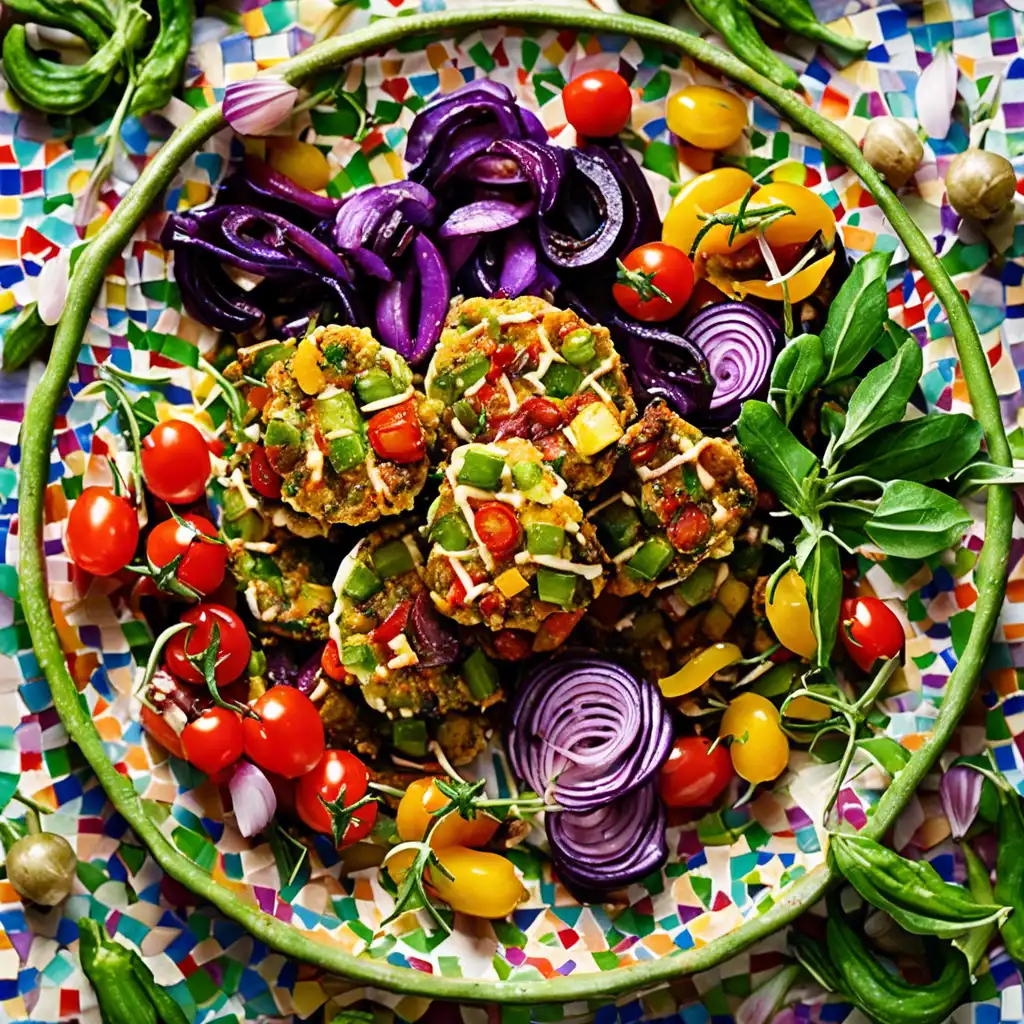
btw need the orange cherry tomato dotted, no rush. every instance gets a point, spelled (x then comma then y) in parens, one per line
(337, 770)
(598, 103)
(413, 817)
(396, 434)
(498, 528)
(102, 531)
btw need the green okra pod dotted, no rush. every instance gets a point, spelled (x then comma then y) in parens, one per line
(61, 14)
(911, 892)
(733, 23)
(884, 996)
(58, 88)
(24, 337)
(799, 18)
(160, 72)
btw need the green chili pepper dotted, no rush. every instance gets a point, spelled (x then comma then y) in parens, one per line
(125, 987)
(799, 18)
(912, 893)
(27, 334)
(1010, 872)
(884, 996)
(730, 19)
(61, 14)
(59, 88)
(161, 71)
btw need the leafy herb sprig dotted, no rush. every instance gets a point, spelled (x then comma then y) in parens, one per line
(869, 485)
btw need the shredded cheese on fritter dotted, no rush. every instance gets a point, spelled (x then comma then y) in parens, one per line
(588, 572)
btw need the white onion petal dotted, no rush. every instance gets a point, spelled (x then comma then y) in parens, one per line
(258, 105)
(252, 798)
(936, 93)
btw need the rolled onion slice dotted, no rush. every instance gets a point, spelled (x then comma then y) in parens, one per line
(740, 342)
(434, 644)
(609, 846)
(585, 730)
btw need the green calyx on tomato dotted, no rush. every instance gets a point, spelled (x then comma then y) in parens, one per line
(331, 798)
(185, 556)
(654, 282)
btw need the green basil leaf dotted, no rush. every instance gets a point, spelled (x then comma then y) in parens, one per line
(847, 523)
(893, 336)
(983, 474)
(890, 756)
(930, 448)
(880, 399)
(798, 369)
(856, 316)
(914, 521)
(824, 578)
(777, 458)
(833, 419)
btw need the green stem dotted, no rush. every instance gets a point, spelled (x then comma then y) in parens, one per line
(34, 805)
(37, 439)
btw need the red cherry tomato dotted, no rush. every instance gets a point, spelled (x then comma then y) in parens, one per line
(689, 528)
(543, 412)
(203, 562)
(176, 462)
(234, 651)
(693, 777)
(870, 631)
(102, 532)
(289, 738)
(337, 769)
(330, 662)
(498, 528)
(265, 479)
(513, 644)
(156, 725)
(214, 740)
(396, 434)
(659, 265)
(598, 103)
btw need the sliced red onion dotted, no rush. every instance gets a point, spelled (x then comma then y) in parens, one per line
(585, 730)
(960, 793)
(253, 799)
(258, 105)
(484, 216)
(435, 291)
(394, 305)
(643, 223)
(519, 267)
(591, 241)
(262, 179)
(309, 674)
(739, 341)
(609, 846)
(434, 644)
(52, 287)
(542, 164)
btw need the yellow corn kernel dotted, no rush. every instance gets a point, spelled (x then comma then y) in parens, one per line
(301, 162)
(511, 582)
(306, 367)
(595, 427)
(699, 669)
(732, 595)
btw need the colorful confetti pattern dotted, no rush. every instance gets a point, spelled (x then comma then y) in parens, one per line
(726, 871)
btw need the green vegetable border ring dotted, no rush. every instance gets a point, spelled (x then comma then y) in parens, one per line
(37, 438)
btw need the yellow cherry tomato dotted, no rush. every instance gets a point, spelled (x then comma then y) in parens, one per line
(810, 215)
(706, 193)
(699, 669)
(706, 117)
(300, 161)
(482, 884)
(413, 817)
(802, 284)
(789, 615)
(807, 709)
(760, 749)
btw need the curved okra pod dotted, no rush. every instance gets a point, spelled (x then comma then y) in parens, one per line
(61, 14)
(799, 18)
(159, 74)
(729, 18)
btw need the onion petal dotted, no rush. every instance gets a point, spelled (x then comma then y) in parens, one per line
(52, 287)
(435, 291)
(935, 93)
(960, 793)
(258, 105)
(253, 799)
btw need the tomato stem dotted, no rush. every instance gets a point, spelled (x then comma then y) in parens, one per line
(153, 662)
(33, 805)
(744, 219)
(387, 790)
(124, 405)
(639, 281)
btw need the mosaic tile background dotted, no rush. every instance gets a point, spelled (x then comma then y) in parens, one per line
(217, 972)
